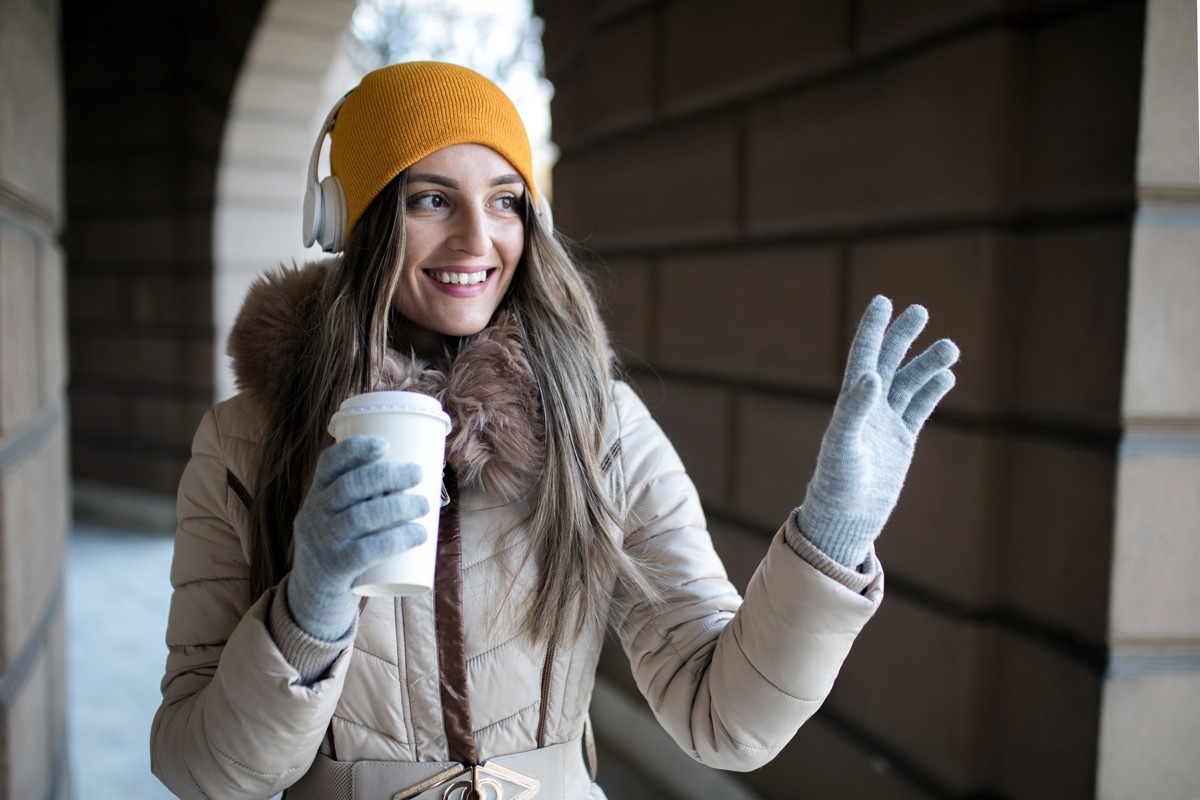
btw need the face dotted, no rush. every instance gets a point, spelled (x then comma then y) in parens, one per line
(464, 234)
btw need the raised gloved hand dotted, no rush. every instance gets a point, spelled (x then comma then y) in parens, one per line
(355, 515)
(868, 446)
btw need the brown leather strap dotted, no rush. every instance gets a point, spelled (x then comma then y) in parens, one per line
(239, 488)
(612, 455)
(547, 676)
(451, 632)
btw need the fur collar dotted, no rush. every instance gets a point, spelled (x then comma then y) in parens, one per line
(496, 441)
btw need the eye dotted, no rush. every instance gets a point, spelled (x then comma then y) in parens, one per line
(427, 201)
(510, 202)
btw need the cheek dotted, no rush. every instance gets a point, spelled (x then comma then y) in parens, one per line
(514, 246)
(416, 251)
(410, 279)
(412, 244)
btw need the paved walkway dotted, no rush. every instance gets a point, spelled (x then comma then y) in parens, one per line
(118, 590)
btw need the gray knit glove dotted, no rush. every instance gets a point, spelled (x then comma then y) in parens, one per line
(355, 515)
(868, 446)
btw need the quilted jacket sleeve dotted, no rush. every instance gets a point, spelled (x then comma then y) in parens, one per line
(235, 719)
(730, 680)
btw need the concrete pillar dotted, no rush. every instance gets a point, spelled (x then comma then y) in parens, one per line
(1149, 725)
(33, 409)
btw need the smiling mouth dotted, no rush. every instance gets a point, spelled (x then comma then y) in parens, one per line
(460, 278)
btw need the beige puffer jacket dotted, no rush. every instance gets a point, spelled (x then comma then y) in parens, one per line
(730, 680)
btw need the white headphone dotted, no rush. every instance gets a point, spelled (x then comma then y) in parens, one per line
(325, 201)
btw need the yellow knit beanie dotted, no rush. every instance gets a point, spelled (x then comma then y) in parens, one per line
(401, 113)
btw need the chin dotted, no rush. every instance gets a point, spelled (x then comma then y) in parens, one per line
(464, 328)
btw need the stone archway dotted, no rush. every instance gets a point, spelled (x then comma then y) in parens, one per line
(293, 70)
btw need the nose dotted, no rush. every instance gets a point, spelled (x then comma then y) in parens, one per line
(470, 234)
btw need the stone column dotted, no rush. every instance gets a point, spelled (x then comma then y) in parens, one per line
(33, 409)
(1149, 724)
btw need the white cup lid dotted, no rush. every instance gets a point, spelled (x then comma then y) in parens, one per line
(376, 402)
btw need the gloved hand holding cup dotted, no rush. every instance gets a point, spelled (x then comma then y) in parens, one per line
(369, 523)
(415, 428)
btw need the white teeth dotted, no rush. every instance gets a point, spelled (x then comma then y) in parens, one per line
(461, 278)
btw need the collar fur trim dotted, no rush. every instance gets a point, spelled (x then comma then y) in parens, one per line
(497, 438)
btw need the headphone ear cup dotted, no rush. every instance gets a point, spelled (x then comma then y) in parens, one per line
(325, 202)
(332, 229)
(314, 214)
(543, 211)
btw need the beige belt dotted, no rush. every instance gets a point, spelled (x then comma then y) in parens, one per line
(544, 774)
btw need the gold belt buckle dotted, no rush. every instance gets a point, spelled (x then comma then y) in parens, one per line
(475, 783)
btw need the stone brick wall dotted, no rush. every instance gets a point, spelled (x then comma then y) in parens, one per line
(147, 92)
(33, 407)
(745, 179)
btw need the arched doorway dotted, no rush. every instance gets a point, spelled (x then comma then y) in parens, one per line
(293, 70)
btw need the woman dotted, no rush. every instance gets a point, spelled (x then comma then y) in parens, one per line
(569, 511)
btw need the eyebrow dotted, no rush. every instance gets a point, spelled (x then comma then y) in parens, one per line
(442, 180)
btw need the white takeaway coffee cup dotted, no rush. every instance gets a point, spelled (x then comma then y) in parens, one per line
(415, 427)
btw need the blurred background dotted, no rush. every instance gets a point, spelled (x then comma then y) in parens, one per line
(742, 178)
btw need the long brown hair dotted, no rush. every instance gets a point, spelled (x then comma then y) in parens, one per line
(574, 525)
